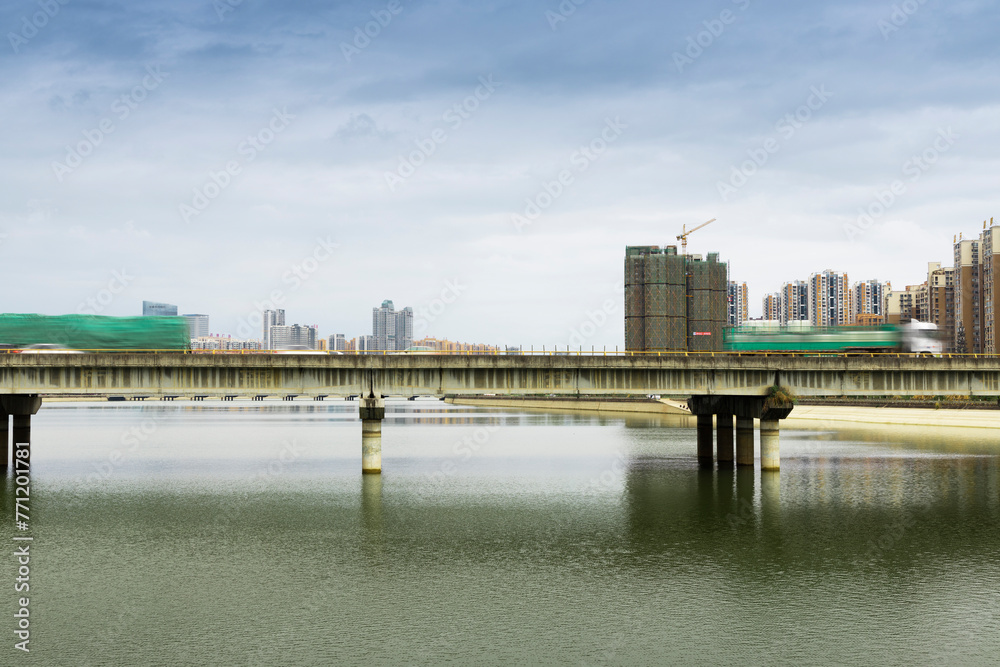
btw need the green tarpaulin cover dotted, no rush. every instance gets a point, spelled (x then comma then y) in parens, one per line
(95, 332)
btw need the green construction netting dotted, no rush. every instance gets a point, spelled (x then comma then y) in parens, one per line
(94, 332)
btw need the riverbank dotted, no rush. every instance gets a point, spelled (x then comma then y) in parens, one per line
(803, 416)
(623, 405)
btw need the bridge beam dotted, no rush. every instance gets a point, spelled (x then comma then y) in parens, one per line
(372, 412)
(724, 440)
(705, 440)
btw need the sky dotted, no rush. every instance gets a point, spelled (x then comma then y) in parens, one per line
(484, 163)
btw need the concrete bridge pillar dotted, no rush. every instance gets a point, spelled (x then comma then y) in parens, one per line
(21, 407)
(22, 430)
(372, 412)
(4, 439)
(724, 440)
(769, 457)
(705, 440)
(744, 441)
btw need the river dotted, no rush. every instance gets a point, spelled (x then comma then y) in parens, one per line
(244, 534)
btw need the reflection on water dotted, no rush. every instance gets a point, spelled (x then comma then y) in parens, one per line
(247, 535)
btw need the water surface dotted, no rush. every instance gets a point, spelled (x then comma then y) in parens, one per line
(244, 534)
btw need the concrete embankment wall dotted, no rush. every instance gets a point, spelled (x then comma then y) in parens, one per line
(657, 407)
(803, 417)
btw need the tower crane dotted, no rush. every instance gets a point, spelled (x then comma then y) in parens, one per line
(683, 238)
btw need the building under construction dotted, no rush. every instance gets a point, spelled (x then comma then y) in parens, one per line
(674, 302)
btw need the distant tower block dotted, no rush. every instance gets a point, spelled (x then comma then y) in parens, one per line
(674, 303)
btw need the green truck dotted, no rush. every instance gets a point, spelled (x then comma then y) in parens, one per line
(20, 331)
(914, 337)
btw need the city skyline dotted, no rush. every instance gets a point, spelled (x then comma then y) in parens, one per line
(188, 154)
(937, 300)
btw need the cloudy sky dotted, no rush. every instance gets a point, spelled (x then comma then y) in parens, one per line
(483, 162)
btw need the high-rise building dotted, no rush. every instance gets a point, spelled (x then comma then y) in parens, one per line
(830, 299)
(739, 304)
(367, 344)
(869, 298)
(939, 302)
(338, 342)
(392, 330)
(772, 307)
(197, 325)
(452, 346)
(155, 308)
(967, 302)
(674, 302)
(404, 328)
(976, 284)
(794, 302)
(272, 318)
(868, 320)
(293, 336)
(989, 286)
(384, 326)
(223, 343)
(903, 306)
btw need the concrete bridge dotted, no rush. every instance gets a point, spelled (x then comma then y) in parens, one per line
(724, 386)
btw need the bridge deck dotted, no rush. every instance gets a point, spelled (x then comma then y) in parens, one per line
(185, 374)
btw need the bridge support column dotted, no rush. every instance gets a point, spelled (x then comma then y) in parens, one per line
(744, 441)
(372, 412)
(705, 440)
(22, 435)
(769, 457)
(21, 407)
(4, 439)
(724, 440)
